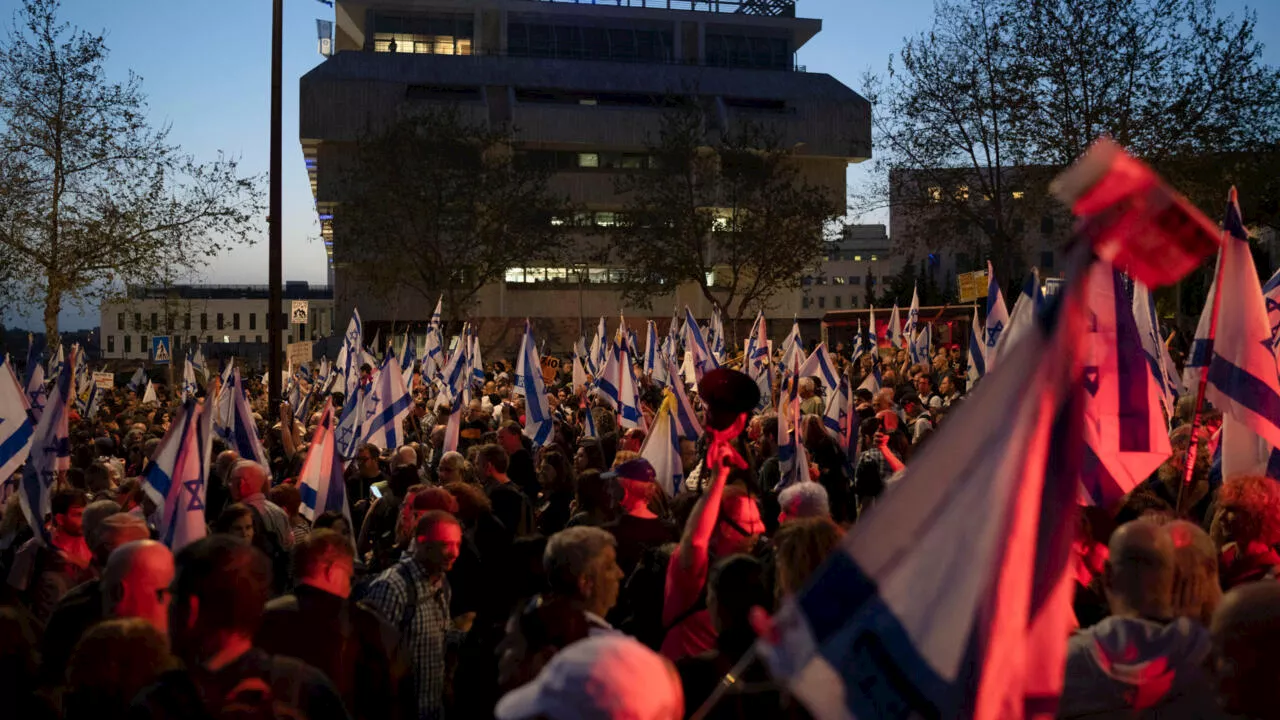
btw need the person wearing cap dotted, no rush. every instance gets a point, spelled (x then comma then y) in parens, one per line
(582, 565)
(607, 677)
(639, 527)
(82, 607)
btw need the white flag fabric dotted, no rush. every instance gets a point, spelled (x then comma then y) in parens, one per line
(997, 318)
(617, 385)
(149, 396)
(703, 359)
(1126, 437)
(579, 374)
(819, 365)
(233, 421)
(839, 410)
(792, 346)
(538, 421)
(922, 612)
(16, 426)
(686, 420)
(913, 329)
(758, 362)
(387, 406)
(175, 478)
(895, 329)
(793, 460)
(477, 363)
(1024, 313)
(662, 448)
(37, 396)
(50, 453)
(1158, 359)
(320, 481)
(352, 421)
(189, 386)
(136, 383)
(352, 354)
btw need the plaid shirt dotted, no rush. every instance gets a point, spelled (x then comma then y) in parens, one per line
(426, 633)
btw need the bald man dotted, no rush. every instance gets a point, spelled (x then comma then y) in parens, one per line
(1246, 633)
(1140, 660)
(248, 483)
(136, 583)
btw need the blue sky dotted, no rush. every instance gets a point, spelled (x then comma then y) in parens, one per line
(205, 68)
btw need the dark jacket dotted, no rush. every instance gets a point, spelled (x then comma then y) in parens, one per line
(350, 643)
(520, 470)
(78, 611)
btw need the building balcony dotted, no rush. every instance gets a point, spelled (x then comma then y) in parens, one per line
(769, 8)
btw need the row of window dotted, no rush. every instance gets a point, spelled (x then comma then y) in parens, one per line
(588, 43)
(837, 280)
(597, 275)
(558, 160)
(961, 193)
(186, 321)
(837, 302)
(144, 341)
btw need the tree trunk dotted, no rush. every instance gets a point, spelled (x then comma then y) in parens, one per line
(52, 307)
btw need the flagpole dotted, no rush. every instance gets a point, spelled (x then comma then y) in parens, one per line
(1193, 445)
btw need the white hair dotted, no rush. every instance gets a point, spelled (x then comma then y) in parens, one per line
(570, 554)
(805, 500)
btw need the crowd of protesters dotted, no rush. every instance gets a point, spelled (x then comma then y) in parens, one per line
(503, 580)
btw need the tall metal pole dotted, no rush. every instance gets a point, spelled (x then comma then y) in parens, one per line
(275, 263)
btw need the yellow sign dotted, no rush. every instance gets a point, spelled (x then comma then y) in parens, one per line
(972, 285)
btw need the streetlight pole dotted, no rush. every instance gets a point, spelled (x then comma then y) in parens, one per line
(275, 262)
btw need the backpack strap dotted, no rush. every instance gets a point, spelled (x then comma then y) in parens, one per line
(411, 598)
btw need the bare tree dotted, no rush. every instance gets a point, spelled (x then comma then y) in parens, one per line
(93, 197)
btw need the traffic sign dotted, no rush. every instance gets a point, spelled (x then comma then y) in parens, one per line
(160, 349)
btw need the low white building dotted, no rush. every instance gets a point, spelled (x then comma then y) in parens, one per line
(853, 269)
(226, 319)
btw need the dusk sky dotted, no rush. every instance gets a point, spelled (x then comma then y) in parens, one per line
(205, 68)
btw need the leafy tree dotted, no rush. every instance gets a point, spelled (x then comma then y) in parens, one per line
(437, 205)
(731, 216)
(91, 197)
(974, 116)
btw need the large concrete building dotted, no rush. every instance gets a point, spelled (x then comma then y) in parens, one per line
(228, 320)
(585, 81)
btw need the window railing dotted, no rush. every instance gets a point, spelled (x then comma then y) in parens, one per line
(775, 8)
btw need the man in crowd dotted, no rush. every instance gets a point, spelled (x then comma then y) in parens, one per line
(638, 528)
(803, 500)
(1141, 658)
(44, 574)
(414, 597)
(136, 583)
(357, 649)
(519, 460)
(510, 504)
(582, 566)
(219, 591)
(247, 483)
(810, 402)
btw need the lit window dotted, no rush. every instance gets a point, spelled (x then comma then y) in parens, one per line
(1018, 194)
(838, 280)
(606, 219)
(589, 160)
(557, 274)
(587, 101)
(874, 258)
(857, 258)
(711, 279)
(935, 194)
(598, 275)
(535, 275)
(962, 193)
(557, 221)
(514, 275)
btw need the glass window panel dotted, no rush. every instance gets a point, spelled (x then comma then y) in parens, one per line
(514, 275)
(598, 275)
(557, 274)
(588, 160)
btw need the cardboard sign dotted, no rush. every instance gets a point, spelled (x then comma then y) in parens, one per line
(972, 285)
(104, 380)
(298, 354)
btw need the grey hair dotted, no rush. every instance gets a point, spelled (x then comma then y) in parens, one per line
(570, 554)
(805, 500)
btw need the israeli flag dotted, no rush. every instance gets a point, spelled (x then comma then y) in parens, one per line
(703, 360)
(895, 329)
(233, 421)
(651, 349)
(588, 422)
(871, 383)
(858, 350)
(352, 353)
(793, 460)
(921, 612)
(37, 395)
(16, 425)
(453, 426)
(873, 338)
(201, 365)
(997, 318)
(580, 383)
(1025, 309)
(1126, 438)
(662, 448)
(617, 385)
(538, 421)
(599, 347)
(139, 380)
(1158, 359)
(34, 351)
(819, 365)
(758, 362)
(715, 337)
(477, 364)
(686, 420)
(457, 370)
(408, 354)
(912, 329)
(176, 477)
(922, 346)
(50, 453)
(149, 395)
(189, 386)
(839, 409)
(321, 481)
(1240, 356)
(56, 361)
(977, 362)
(388, 405)
(351, 424)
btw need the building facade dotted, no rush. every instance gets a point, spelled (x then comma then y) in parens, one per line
(225, 319)
(852, 272)
(584, 83)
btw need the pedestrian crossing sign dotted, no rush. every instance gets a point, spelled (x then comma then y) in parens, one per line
(160, 350)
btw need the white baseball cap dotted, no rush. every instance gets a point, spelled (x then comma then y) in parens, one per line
(607, 677)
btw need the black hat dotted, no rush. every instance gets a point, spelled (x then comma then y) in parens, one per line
(637, 470)
(727, 394)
